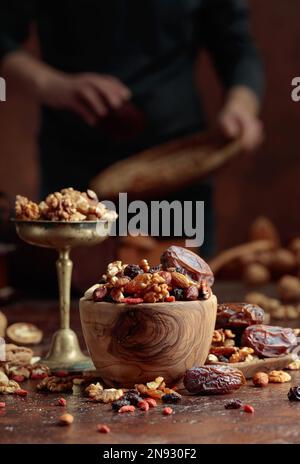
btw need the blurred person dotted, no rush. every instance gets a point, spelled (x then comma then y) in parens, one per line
(117, 76)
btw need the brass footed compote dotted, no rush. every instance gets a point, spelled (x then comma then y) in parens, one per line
(65, 352)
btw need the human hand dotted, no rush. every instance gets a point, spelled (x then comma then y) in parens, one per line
(238, 118)
(90, 95)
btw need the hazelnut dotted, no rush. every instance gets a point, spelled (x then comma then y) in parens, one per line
(256, 274)
(260, 379)
(256, 298)
(66, 419)
(294, 245)
(288, 288)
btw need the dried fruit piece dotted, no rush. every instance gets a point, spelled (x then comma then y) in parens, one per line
(260, 379)
(132, 396)
(2, 404)
(21, 392)
(180, 280)
(62, 402)
(194, 266)
(248, 408)
(213, 380)
(235, 315)
(24, 334)
(128, 408)
(132, 270)
(151, 401)
(18, 378)
(116, 405)
(129, 300)
(268, 341)
(157, 383)
(100, 293)
(103, 428)
(143, 405)
(191, 293)
(233, 404)
(171, 398)
(279, 377)
(66, 419)
(167, 411)
(294, 394)
(170, 299)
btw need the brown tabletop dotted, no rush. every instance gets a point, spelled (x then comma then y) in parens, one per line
(195, 420)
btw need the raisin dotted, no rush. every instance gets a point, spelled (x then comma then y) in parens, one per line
(294, 394)
(234, 315)
(132, 270)
(154, 269)
(102, 281)
(132, 396)
(116, 405)
(223, 359)
(213, 380)
(269, 341)
(178, 293)
(171, 398)
(233, 404)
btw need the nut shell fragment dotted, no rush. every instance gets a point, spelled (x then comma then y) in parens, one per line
(24, 333)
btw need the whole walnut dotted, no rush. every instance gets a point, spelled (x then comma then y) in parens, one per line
(256, 274)
(288, 288)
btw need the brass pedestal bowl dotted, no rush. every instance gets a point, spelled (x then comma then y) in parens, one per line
(65, 352)
(135, 343)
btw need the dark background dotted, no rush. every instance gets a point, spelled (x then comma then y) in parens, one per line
(266, 182)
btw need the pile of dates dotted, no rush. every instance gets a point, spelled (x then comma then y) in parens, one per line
(181, 276)
(240, 336)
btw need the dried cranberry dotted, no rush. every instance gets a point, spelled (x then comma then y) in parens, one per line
(233, 404)
(294, 394)
(178, 293)
(132, 270)
(171, 398)
(116, 405)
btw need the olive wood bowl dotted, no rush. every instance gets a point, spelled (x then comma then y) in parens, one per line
(132, 344)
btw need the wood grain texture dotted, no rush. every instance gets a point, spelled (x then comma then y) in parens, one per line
(135, 343)
(263, 365)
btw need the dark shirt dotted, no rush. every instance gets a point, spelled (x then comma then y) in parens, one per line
(150, 45)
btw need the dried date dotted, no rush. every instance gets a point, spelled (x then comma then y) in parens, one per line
(238, 315)
(188, 262)
(213, 380)
(269, 341)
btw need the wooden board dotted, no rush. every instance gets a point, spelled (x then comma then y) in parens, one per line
(166, 168)
(264, 365)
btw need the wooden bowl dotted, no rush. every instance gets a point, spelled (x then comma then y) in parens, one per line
(135, 343)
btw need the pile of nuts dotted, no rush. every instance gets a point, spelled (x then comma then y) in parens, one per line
(133, 284)
(223, 349)
(141, 396)
(66, 205)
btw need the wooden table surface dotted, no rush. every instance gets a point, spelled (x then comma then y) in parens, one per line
(195, 420)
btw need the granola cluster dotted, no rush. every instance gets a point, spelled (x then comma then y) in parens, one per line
(67, 205)
(132, 284)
